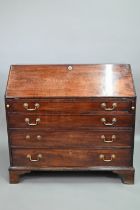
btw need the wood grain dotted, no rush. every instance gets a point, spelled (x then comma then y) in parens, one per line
(71, 158)
(82, 105)
(70, 134)
(82, 81)
(69, 121)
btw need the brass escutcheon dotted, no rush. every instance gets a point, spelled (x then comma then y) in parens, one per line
(70, 68)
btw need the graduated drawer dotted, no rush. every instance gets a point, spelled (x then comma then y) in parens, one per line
(69, 121)
(69, 105)
(68, 139)
(71, 158)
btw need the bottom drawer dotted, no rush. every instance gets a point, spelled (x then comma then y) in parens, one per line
(44, 158)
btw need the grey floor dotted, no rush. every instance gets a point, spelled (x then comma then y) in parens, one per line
(63, 191)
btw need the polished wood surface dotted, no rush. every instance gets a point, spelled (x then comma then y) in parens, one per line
(81, 105)
(21, 138)
(71, 158)
(78, 117)
(103, 80)
(69, 121)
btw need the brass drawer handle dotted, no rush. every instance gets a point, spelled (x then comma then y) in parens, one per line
(27, 137)
(104, 106)
(26, 106)
(102, 157)
(108, 141)
(114, 120)
(38, 137)
(27, 120)
(39, 156)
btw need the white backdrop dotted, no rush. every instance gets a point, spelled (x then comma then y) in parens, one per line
(69, 31)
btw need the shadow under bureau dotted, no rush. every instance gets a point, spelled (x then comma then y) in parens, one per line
(71, 117)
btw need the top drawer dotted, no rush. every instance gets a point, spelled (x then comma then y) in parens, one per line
(69, 105)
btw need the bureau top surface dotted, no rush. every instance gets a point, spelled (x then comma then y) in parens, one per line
(100, 80)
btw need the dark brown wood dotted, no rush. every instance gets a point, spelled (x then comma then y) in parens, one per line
(14, 175)
(71, 157)
(81, 81)
(85, 105)
(71, 103)
(69, 121)
(70, 139)
(127, 176)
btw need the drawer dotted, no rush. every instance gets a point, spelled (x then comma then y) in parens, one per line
(68, 106)
(71, 158)
(69, 139)
(69, 121)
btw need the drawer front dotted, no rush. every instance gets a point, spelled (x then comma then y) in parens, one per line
(71, 158)
(69, 121)
(71, 106)
(69, 139)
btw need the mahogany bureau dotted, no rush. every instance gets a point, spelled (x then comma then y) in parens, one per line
(71, 117)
